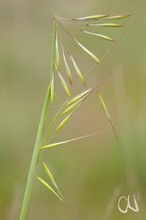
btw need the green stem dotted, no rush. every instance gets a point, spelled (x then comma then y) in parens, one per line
(31, 173)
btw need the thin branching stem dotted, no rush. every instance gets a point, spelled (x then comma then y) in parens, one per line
(38, 142)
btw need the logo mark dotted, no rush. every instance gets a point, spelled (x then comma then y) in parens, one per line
(135, 207)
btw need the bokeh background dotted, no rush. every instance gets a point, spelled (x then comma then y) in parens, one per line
(92, 173)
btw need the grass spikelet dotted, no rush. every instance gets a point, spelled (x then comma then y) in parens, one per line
(71, 140)
(89, 18)
(55, 144)
(64, 84)
(49, 187)
(51, 178)
(71, 107)
(63, 122)
(57, 53)
(88, 52)
(77, 69)
(117, 17)
(104, 37)
(82, 19)
(104, 107)
(68, 71)
(105, 25)
(79, 97)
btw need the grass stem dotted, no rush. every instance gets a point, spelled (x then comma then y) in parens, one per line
(32, 169)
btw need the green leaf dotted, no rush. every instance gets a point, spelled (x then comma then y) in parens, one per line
(49, 187)
(64, 84)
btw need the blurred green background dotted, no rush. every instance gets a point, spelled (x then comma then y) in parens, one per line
(92, 173)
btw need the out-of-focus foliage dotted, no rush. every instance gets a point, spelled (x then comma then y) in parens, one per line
(88, 171)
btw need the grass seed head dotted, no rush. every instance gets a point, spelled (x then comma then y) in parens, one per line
(64, 84)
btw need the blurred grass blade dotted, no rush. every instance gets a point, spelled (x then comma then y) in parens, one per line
(64, 84)
(49, 187)
(78, 97)
(67, 67)
(105, 25)
(77, 69)
(88, 52)
(71, 140)
(71, 107)
(116, 17)
(51, 177)
(63, 122)
(52, 90)
(104, 37)
(57, 53)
